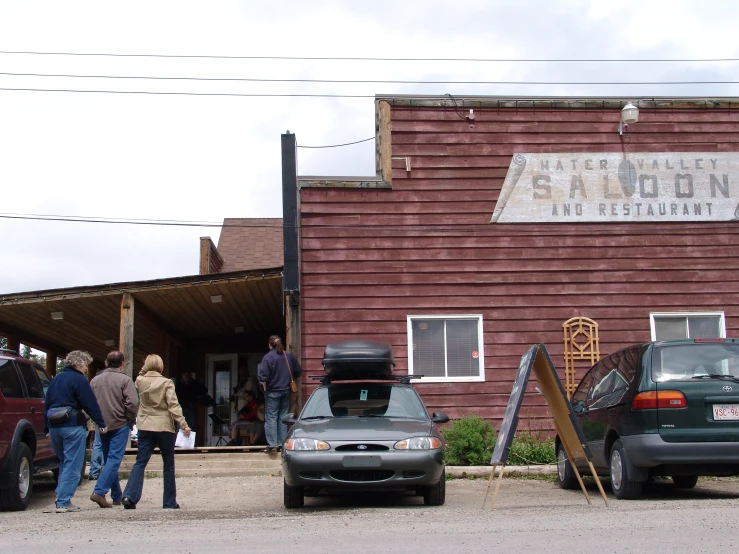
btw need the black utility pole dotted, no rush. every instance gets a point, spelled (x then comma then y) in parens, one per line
(290, 213)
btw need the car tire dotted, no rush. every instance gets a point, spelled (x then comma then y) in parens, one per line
(294, 497)
(684, 481)
(565, 473)
(623, 487)
(18, 495)
(435, 495)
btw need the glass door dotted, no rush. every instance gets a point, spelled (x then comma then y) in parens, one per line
(222, 376)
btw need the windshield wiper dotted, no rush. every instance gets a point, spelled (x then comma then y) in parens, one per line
(717, 376)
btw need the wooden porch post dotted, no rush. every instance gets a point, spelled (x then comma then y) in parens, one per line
(126, 332)
(51, 362)
(13, 343)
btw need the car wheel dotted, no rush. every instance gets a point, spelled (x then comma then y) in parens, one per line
(293, 497)
(685, 481)
(435, 495)
(18, 495)
(565, 473)
(623, 487)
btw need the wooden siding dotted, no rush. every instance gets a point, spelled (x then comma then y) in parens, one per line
(370, 258)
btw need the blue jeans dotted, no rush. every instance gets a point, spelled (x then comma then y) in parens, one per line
(114, 447)
(69, 445)
(277, 402)
(96, 456)
(148, 440)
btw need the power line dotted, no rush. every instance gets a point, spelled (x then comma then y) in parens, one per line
(362, 81)
(467, 228)
(249, 95)
(337, 145)
(374, 59)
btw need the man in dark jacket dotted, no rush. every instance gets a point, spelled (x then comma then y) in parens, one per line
(69, 393)
(277, 369)
(119, 402)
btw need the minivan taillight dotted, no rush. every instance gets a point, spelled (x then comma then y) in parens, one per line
(651, 400)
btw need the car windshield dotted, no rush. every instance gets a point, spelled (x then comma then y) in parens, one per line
(364, 400)
(693, 361)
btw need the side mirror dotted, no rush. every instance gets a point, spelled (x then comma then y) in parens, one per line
(289, 418)
(579, 409)
(439, 417)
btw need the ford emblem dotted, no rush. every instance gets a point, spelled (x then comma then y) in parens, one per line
(364, 446)
(727, 388)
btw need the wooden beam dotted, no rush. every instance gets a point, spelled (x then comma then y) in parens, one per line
(204, 255)
(384, 142)
(126, 332)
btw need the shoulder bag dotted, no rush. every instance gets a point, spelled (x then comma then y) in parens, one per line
(293, 383)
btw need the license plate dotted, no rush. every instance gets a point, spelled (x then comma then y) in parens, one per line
(725, 411)
(362, 461)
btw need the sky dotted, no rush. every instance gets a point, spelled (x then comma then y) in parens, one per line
(208, 157)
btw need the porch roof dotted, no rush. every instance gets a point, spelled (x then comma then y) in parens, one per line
(180, 308)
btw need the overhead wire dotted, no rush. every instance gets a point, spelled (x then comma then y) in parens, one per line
(468, 228)
(358, 81)
(374, 58)
(336, 145)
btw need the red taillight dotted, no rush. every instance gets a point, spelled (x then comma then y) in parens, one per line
(651, 400)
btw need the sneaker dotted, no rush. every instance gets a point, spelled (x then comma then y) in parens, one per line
(116, 502)
(100, 501)
(175, 507)
(67, 508)
(128, 504)
(92, 477)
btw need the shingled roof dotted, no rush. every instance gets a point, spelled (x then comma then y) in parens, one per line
(251, 243)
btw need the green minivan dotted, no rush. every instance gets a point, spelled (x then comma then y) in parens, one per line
(667, 408)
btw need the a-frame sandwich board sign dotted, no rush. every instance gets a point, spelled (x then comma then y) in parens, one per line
(567, 426)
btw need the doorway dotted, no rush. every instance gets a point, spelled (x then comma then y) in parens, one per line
(221, 377)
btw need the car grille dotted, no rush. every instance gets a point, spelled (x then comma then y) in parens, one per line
(362, 474)
(361, 447)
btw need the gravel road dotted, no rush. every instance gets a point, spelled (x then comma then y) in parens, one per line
(234, 514)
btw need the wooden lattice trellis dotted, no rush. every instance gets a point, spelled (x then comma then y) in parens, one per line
(581, 343)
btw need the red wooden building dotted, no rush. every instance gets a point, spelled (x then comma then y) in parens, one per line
(462, 254)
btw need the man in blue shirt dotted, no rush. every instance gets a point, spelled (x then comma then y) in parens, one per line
(277, 370)
(69, 394)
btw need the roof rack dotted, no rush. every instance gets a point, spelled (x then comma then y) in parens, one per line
(402, 379)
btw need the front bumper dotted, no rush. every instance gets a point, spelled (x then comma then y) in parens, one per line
(382, 470)
(650, 450)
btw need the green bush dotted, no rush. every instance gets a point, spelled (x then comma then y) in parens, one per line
(528, 448)
(469, 441)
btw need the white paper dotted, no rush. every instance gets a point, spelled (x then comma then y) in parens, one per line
(185, 442)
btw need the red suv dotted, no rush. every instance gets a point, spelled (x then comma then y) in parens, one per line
(24, 447)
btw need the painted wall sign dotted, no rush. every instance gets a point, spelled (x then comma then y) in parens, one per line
(618, 187)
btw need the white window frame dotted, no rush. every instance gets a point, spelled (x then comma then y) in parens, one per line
(481, 349)
(720, 315)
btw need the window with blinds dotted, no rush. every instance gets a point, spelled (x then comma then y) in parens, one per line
(689, 325)
(446, 347)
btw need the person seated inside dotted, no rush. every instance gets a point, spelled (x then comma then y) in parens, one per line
(247, 420)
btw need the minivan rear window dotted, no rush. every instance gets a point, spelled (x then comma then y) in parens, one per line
(686, 361)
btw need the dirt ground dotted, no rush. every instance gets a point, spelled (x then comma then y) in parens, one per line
(225, 514)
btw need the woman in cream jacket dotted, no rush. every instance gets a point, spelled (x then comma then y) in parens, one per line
(158, 411)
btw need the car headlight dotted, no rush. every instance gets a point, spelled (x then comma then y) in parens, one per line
(418, 443)
(306, 444)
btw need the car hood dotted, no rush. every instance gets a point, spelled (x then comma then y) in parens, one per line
(361, 429)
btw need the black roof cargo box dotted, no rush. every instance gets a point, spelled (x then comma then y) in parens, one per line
(358, 359)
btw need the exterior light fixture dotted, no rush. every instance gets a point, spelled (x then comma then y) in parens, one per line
(216, 298)
(57, 315)
(629, 115)
(109, 342)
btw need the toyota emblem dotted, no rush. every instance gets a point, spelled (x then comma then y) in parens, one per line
(364, 446)
(727, 388)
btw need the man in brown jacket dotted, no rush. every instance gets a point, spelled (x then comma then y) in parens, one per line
(116, 394)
